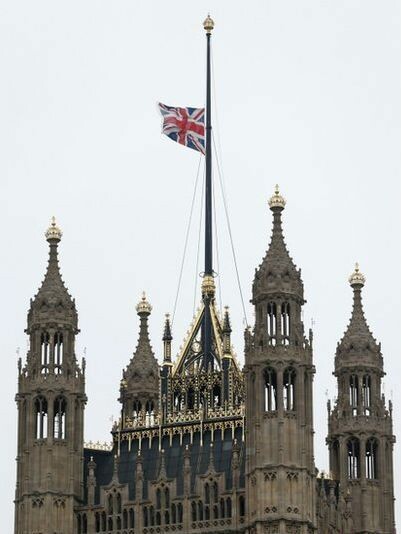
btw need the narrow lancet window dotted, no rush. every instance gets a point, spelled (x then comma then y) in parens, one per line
(41, 418)
(60, 409)
(366, 394)
(353, 458)
(272, 322)
(45, 352)
(289, 389)
(58, 352)
(371, 459)
(353, 394)
(270, 390)
(150, 414)
(285, 323)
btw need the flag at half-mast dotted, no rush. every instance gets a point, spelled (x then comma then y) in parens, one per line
(185, 126)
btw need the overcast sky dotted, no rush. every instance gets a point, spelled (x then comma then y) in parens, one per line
(307, 95)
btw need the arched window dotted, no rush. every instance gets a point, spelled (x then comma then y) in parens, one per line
(79, 525)
(125, 519)
(222, 511)
(200, 511)
(207, 513)
(118, 500)
(41, 418)
(166, 498)
(97, 522)
(215, 512)
(191, 399)
(207, 493)
(366, 394)
(215, 492)
(145, 517)
(44, 352)
(241, 506)
(371, 459)
(289, 389)
(285, 323)
(353, 458)
(179, 511)
(178, 400)
(166, 518)
(158, 499)
(136, 409)
(58, 352)
(150, 414)
(60, 410)
(193, 510)
(217, 395)
(104, 522)
(118, 522)
(270, 390)
(110, 523)
(228, 507)
(173, 514)
(272, 322)
(335, 452)
(110, 504)
(84, 524)
(158, 519)
(152, 516)
(353, 394)
(131, 518)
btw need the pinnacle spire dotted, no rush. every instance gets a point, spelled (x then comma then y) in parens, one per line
(53, 298)
(277, 272)
(358, 334)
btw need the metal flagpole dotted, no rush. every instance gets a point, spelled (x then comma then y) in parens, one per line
(208, 284)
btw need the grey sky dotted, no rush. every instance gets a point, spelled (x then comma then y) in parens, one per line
(308, 95)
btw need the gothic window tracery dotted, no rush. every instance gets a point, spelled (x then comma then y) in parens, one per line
(353, 458)
(289, 377)
(45, 353)
(241, 506)
(60, 410)
(371, 459)
(41, 418)
(270, 390)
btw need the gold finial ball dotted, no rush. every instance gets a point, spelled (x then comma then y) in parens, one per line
(53, 233)
(208, 24)
(143, 306)
(357, 279)
(277, 200)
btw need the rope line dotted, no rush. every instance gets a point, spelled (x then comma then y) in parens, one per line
(230, 233)
(186, 241)
(199, 241)
(216, 245)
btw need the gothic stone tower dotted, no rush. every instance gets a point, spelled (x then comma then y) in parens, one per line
(360, 426)
(280, 470)
(51, 400)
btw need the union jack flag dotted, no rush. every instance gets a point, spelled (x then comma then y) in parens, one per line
(185, 126)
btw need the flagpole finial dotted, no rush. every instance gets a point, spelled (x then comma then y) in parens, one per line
(208, 24)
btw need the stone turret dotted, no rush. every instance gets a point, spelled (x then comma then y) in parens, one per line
(140, 386)
(360, 425)
(51, 400)
(279, 370)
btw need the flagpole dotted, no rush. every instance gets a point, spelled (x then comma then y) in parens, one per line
(208, 274)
